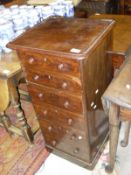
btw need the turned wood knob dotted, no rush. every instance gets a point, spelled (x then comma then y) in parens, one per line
(49, 77)
(70, 121)
(76, 151)
(64, 85)
(45, 59)
(53, 142)
(31, 60)
(80, 137)
(56, 111)
(45, 112)
(36, 77)
(73, 137)
(60, 66)
(49, 128)
(66, 104)
(40, 95)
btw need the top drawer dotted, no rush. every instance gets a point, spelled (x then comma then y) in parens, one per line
(37, 61)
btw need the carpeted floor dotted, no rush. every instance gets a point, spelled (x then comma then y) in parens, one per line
(17, 156)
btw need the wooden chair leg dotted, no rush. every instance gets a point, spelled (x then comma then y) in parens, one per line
(114, 135)
(124, 142)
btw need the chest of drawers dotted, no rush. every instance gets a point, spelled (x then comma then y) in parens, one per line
(67, 70)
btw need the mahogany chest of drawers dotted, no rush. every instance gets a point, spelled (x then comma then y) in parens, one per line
(67, 70)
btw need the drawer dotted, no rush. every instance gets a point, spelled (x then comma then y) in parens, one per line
(43, 96)
(73, 142)
(68, 119)
(57, 81)
(41, 62)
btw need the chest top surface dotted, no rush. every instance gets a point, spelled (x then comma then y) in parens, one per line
(66, 35)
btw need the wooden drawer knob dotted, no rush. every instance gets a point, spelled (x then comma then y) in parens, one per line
(49, 77)
(49, 128)
(73, 137)
(36, 77)
(60, 66)
(76, 151)
(56, 111)
(45, 59)
(67, 131)
(40, 95)
(45, 112)
(31, 60)
(54, 143)
(64, 85)
(70, 121)
(66, 104)
(80, 137)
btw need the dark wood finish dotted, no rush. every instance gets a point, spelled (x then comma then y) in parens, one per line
(75, 51)
(117, 104)
(125, 7)
(59, 138)
(38, 61)
(117, 60)
(55, 81)
(49, 113)
(56, 98)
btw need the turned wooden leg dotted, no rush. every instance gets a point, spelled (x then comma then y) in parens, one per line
(15, 101)
(5, 121)
(124, 142)
(27, 133)
(114, 135)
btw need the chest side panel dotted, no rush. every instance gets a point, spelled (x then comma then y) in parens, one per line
(97, 74)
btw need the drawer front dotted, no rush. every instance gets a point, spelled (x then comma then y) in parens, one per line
(36, 61)
(50, 113)
(72, 142)
(43, 96)
(56, 81)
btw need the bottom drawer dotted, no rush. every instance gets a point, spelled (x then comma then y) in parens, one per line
(68, 141)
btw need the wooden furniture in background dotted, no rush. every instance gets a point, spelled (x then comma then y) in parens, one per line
(117, 104)
(87, 8)
(121, 37)
(67, 70)
(125, 6)
(10, 74)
